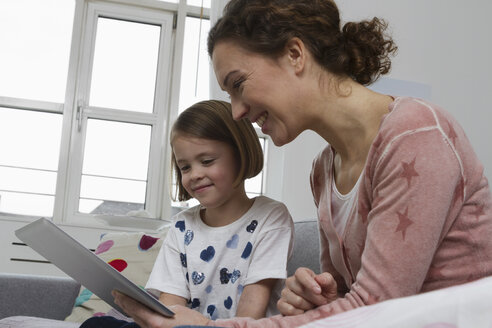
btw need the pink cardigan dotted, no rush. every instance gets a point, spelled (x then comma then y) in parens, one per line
(423, 219)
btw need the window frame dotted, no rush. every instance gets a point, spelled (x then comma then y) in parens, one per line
(158, 119)
(167, 95)
(166, 101)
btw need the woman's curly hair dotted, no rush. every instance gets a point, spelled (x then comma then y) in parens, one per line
(360, 50)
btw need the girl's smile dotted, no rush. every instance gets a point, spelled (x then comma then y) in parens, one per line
(208, 170)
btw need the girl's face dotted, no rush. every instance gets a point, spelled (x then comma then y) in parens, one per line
(261, 89)
(208, 169)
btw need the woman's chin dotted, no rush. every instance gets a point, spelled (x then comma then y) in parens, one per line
(280, 141)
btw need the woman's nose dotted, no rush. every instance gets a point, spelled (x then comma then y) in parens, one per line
(239, 109)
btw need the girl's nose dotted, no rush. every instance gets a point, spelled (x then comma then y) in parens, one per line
(196, 174)
(239, 109)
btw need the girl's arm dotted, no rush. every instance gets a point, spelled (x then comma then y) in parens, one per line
(171, 299)
(254, 299)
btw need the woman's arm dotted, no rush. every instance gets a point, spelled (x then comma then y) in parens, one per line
(254, 299)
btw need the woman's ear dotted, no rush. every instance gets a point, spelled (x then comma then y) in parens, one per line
(296, 53)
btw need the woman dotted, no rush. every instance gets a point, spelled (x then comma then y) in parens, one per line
(403, 204)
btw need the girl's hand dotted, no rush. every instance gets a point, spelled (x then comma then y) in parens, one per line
(305, 290)
(147, 318)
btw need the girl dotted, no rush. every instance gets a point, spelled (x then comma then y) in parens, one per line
(228, 255)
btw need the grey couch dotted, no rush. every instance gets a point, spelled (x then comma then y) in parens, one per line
(54, 297)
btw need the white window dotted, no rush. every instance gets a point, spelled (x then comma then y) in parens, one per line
(88, 90)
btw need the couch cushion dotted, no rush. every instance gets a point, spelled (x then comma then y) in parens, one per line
(43, 296)
(132, 254)
(35, 322)
(306, 247)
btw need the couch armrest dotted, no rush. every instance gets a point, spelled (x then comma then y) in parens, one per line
(38, 296)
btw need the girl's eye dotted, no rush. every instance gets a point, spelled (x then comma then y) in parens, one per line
(184, 168)
(207, 161)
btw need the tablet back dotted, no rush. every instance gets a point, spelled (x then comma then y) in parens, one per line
(84, 266)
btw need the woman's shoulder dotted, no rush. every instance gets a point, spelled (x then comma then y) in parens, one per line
(324, 156)
(322, 165)
(408, 113)
(408, 116)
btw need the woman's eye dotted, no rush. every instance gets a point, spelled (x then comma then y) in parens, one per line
(237, 84)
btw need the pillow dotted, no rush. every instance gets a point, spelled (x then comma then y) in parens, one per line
(133, 254)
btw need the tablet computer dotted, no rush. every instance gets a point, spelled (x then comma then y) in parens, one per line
(83, 265)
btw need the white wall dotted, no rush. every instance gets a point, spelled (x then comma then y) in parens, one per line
(443, 44)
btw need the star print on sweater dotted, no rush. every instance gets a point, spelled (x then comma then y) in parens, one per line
(404, 222)
(409, 171)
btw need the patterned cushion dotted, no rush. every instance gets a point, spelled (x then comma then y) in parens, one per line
(132, 254)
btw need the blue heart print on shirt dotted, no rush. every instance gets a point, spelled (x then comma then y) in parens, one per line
(184, 263)
(228, 303)
(195, 303)
(207, 254)
(232, 243)
(212, 311)
(180, 225)
(252, 226)
(240, 289)
(197, 277)
(225, 276)
(208, 289)
(188, 237)
(247, 250)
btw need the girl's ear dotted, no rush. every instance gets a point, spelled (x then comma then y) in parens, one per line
(296, 53)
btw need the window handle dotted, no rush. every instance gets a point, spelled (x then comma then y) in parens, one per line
(80, 111)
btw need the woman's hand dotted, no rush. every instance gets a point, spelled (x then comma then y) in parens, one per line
(147, 318)
(305, 290)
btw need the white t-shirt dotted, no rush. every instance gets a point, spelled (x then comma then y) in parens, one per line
(342, 205)
(210, 266)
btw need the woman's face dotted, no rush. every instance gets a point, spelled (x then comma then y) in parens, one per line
(261, 89)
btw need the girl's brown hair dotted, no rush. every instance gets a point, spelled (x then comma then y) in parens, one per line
(212, 119)
(359, 50)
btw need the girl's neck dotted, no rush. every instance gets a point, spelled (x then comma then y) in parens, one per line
(228, 212)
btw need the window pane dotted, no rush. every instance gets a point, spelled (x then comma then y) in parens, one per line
(35, 48)
(27, 180)
(30, 145)
(125, 65)
(115, 166)
(108, 207)
(29, 139)
(26, 204)
(199, 3)
(254, 186)
(119, 190)
(195, 68)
